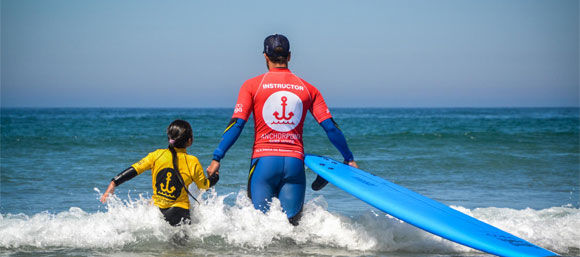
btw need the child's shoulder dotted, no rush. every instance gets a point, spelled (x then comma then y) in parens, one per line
(158, 153)
(192, 157)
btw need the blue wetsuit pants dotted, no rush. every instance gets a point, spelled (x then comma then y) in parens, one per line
(280, 177)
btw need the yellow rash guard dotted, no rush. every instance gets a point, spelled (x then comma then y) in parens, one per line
(167, 190)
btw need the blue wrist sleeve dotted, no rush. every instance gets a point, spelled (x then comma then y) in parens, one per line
(229, 137)
(337, 138)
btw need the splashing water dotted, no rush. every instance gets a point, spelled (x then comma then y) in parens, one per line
(136, 225)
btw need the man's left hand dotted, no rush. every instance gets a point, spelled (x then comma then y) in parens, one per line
(352, 164)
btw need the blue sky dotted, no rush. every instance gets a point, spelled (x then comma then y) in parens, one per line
(514, 53)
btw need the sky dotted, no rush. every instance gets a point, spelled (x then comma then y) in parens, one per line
(418, 53)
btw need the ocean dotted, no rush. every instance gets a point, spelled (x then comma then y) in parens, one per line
(515, 168)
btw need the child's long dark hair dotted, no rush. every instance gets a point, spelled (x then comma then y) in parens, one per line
(178, 133)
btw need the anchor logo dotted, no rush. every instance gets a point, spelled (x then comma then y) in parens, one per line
(166, 189)
(165, 186)
(277, 115)
(282, 111)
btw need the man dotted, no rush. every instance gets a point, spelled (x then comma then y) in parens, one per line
(279, 100)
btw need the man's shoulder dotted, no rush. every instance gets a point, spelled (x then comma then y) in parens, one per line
(255, 80)
(312, 89)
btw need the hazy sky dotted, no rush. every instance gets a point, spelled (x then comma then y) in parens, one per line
(110, 53)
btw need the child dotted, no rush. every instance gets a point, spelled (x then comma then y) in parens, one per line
(169, 186)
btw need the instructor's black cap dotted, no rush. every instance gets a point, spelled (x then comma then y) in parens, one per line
(276, 45)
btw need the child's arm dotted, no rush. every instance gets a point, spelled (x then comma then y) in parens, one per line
(131, 172)
(110, 191)
(200, 179)
(125, 175)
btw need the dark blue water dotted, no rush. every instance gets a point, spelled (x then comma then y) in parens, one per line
(515, 168)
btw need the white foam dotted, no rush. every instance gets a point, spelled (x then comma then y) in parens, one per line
(137, 222)
(124, 223)
(556, 228)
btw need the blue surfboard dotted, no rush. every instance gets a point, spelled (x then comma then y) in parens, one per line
(422, 212)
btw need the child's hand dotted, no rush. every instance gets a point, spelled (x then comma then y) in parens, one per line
(213, 168)
(110, 191)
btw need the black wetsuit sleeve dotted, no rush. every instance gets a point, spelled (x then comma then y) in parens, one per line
(213, 179)
(125, 175)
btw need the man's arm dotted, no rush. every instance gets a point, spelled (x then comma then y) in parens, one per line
(339, 141)
(322, 115)
(337, 138)
(231, 134)
(242, 111)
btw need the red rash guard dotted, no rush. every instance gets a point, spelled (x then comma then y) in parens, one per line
(279, 100)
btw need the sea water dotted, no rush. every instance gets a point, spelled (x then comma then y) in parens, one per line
(517, 169)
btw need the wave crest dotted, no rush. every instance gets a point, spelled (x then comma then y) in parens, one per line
(136, 223)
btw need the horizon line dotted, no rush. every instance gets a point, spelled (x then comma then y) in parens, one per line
(335, 107)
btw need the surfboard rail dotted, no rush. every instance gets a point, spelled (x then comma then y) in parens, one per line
(421, 211)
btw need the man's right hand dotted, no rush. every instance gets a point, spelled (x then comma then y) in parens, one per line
(213, 168)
